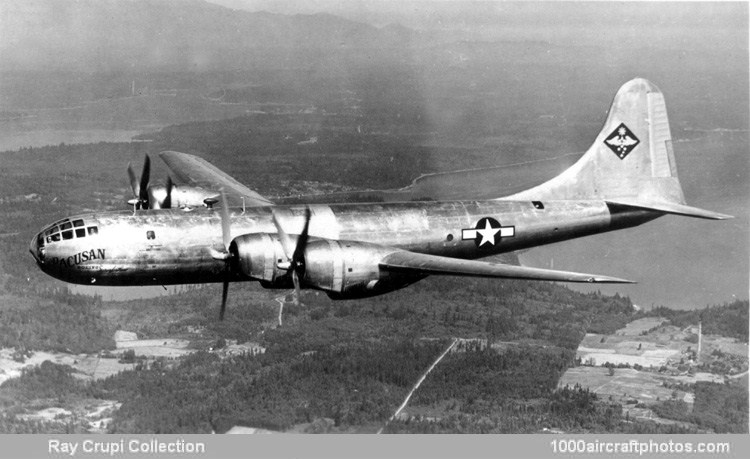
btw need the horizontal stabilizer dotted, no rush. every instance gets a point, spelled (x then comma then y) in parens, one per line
(419, 263)
(672, 208)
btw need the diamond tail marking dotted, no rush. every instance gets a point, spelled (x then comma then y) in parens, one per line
(622, 141)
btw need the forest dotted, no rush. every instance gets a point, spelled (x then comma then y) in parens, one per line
(730, 319)
(721, 408)
(58, 321)
(270, 146)
(345, 366)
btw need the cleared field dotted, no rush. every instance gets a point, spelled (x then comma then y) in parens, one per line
(699, 377)
(628, 387)
(647, 359)
(92, 366)
(648, 343)
(723, 344)
(625, 384)
(636, 327)
(156, 347)
(86, 366)
(654, 349)
(95, 413)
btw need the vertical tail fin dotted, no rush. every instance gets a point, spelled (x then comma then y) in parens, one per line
(631, 161)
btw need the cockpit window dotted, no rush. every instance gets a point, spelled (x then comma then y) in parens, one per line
(66, 230)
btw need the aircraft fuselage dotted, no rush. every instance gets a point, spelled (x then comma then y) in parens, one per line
(162, 247)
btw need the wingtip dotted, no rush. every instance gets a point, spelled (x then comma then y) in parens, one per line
(611, 280)
(713, 216)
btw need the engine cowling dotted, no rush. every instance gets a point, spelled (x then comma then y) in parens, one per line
(343, 269)
(257, 256)
(351, 269)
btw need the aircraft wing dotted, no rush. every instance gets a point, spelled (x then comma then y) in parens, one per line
(419, 263)
(197, 172)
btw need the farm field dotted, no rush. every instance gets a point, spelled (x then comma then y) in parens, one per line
(650, 362)
(625, 385)
(643, 342)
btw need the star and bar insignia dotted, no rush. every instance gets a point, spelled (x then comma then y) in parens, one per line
(622, 141)
(487, 231)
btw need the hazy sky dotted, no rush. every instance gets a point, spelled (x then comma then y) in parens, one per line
(454, 13)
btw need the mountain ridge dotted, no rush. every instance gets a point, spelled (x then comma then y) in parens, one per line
(166, 34)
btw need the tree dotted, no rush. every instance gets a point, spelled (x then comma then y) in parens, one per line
(128, 356)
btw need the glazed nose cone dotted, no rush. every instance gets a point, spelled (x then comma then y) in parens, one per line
(35, 249)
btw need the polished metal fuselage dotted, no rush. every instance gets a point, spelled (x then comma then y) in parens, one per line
(161, 247)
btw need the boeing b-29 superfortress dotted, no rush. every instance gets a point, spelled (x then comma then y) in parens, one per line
(211, 228)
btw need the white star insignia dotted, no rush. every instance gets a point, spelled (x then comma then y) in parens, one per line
(488, 233)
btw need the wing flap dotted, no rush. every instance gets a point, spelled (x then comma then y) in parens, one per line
(195, 171)
(419, 263)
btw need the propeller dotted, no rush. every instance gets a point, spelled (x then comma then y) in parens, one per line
(295, 256)
(226, 239)
(140, 187)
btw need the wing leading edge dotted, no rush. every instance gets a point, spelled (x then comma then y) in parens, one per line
(419, 263)
(197, 172)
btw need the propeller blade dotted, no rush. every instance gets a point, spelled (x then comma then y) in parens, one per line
(224, 294)
(226, 237)
(286, 243)
(143, 188)
(134, 185)
(298, 258)
(167, 204)
(295, 279)
(226, 230)
(140, 187)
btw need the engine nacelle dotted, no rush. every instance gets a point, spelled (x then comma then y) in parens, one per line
(349, 269)
(257, 256)
(343, 269)
(182, 196)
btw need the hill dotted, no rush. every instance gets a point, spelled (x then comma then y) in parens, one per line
(729, 320)
(190, 35)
